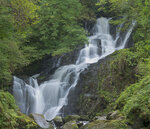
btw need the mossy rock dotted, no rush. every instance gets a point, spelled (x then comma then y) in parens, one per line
(106, 124)
(11, 117)
(70, 125)
(40, 120)
(58, 120)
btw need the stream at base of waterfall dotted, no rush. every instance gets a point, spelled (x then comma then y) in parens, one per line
(49, 97)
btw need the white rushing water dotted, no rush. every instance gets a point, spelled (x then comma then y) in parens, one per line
(49, 97)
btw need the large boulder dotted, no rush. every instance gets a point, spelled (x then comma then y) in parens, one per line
(40, 120)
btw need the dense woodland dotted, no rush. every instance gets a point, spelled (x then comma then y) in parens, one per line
(32, 29)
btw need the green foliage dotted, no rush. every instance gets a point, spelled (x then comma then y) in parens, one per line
(10, 116)
(89, 11)
(144, 68)
(135, 102)
(24, 12)
(57, 31)
(11, 56)
(5, 23)
(120, 73)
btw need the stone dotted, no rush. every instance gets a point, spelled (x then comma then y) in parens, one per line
(100, 117)
(40, 120)
(80, 123)
(112, 115)
(51, 126)
(58, 121)
(70, 125)
(108, 115)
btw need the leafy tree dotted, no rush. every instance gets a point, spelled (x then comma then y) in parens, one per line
(11, 57)
(58, 31)
(24, 12)
(6, 25)
(89, 10)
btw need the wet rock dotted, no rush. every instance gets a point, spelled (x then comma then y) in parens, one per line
(50, 126)
(84, 98)
(100, 117)
(80, 123)
(58, 121)
(98, 85)
(70, 125)
(50, 64)
(112, 115)
(108, 115)
(40, 120)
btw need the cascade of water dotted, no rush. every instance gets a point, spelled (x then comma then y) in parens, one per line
(49, 97)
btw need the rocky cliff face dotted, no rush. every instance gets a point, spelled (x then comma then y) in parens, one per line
(100, 85)
(50, 64)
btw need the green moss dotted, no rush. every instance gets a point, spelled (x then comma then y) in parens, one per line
(105, 124)
(70, 125)
(10, 116)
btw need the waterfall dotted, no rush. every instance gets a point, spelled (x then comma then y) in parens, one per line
(49, 97)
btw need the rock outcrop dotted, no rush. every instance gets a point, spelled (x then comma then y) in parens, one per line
(100, 84)
(40, 120)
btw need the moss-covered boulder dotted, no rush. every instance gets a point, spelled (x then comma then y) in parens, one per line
(70, 125)
(58, 121)
(106, 124)
(40, 120)
(11, 117)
